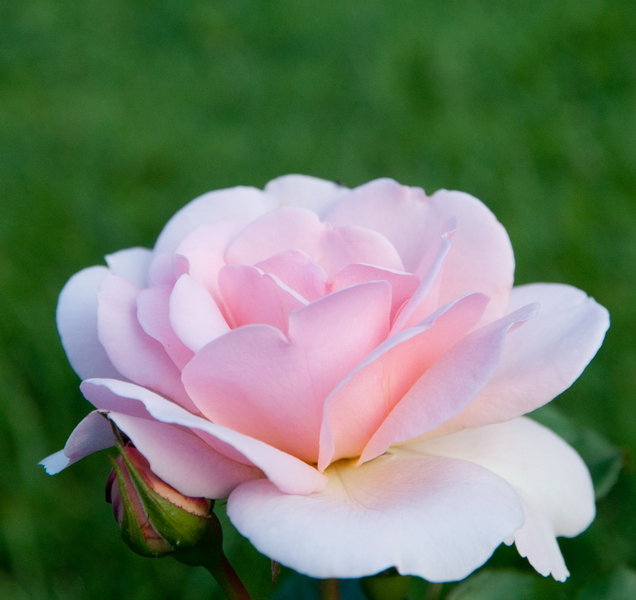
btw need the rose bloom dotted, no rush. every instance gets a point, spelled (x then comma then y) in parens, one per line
(349, 368)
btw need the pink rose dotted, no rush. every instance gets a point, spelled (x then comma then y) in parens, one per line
(349, 368)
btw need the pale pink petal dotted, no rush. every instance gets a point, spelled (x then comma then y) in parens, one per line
(403, 285)
(317, 195)
(194, 315)
(432, 517)
(290, 475)
(343, 245)
(256, 381)
(242, 203)
(131, 264)
(153, 312)
(77, 323)
(541, 359)
(162, 270)
(425, 299)
(251, 297)
(275, 232)
(204, 251)
(299, 272)
(549, 476)
(448, 386)
(184, 460)
(132, 351)
(481, 257)
(366, 396)
(298, 229)
(93, 433)
(396, 211)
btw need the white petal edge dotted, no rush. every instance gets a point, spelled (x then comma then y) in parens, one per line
(433, 517)
(549, 476)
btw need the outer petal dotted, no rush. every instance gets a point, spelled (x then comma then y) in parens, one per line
(138, 356)
(234, 203)
(318, 195)
(255, 381)
(93, 433)
(290, 475)
(436, 518)
(541, 359)
(183, 459)
(77, 324)
(481, 257)
(131, 264)
(549, 476)
(448, 386)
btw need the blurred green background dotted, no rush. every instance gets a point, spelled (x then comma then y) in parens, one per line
(115, 114)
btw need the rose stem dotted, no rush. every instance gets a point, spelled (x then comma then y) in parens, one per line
(228, 580)
(329, 589)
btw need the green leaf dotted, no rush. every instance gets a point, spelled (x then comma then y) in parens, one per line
(603, 459)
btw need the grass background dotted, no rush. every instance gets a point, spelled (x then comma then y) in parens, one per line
(115, 114)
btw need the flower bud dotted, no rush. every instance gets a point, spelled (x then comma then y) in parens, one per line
(155, 519)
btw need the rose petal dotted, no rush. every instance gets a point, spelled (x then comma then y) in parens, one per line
(549, 476)
(131, 264)
(435, 518)
(184, 460)
(255, 381)
(396, 211)
(403, 285)
(425, 299)
(251, 297)
(481, 259)
(77, 323)
(92, 434)
(153, 313)
(317, 195)
(194, 315)
(366, 396)
(290, 475)
(298, 229)
(448, 386)
(132, 351)
(299, 272)
(204, 251)
(243, 203)
(541, 359)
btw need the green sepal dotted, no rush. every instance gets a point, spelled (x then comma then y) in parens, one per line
(131, 530)
(181, 529)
